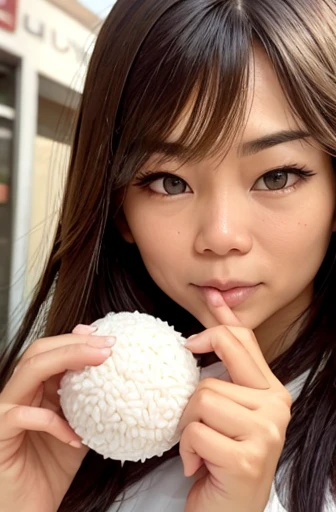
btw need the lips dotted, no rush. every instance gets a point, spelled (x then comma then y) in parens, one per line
(234, 293)
(224, 286)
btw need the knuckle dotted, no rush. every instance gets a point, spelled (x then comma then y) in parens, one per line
(281, 403)
(190, 436)
(204, 398)
(36, 347)
(15, 415)
(251, 463)
(272, 434)
(192, 431)
(281, 398)
(285, 397)
(207, 383)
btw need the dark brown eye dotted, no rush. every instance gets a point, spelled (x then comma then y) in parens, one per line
(173, 185)
(276, 180)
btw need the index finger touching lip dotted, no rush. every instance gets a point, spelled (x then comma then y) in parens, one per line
(223, 315)
(220, 311)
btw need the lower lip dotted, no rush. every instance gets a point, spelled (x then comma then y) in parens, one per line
(235, 296)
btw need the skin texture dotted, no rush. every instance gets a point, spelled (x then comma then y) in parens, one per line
(37, 461)
(233, 433)
(227, 224)
(223, 228)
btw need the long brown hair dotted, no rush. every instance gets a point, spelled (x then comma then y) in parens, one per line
(151, 58)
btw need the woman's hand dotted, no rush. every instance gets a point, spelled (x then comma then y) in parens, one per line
(233, 433)
(39, 452)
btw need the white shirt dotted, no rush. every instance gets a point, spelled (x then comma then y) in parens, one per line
(166, 488)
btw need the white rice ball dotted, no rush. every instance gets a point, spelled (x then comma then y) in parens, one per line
(129, 407)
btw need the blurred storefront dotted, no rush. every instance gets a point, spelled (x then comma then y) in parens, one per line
(44, 48)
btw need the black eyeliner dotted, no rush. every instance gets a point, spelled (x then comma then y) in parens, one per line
(301, 171)
(147, 177)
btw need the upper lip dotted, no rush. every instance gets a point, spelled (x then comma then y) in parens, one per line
(223, 286)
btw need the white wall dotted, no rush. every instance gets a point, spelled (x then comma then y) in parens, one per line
(52, 40)
(47, 42)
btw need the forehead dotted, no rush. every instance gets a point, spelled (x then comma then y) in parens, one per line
(267, 111)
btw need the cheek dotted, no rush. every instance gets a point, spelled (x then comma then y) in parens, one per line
(157, 237)
(299, 246)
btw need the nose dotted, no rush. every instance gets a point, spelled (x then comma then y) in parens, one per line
(224, 226)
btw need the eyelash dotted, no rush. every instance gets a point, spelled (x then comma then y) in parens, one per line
(144, 179)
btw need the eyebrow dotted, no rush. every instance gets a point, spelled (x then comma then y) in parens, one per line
(177, 150)
(270, 140)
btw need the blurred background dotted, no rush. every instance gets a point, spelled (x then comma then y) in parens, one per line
(45, 46)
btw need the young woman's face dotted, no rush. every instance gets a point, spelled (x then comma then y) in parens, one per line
(253, 220)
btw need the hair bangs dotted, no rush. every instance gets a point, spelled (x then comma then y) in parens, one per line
(208, 123)
(307, 76)
(188, 86)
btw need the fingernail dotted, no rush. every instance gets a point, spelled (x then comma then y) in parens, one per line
(106, 351)
(76, 444)
(110, 342)
(101, 341)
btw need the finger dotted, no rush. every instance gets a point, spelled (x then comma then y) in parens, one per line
(199, 442)
(249, 341)
(84, 329)
(23, 385)
(238, 361)
(249, 398)
(20, 418)
(221, 313)
(246, 397)
(219, 413)
(47, 344)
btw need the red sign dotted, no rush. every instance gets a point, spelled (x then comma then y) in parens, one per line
(8, 14)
